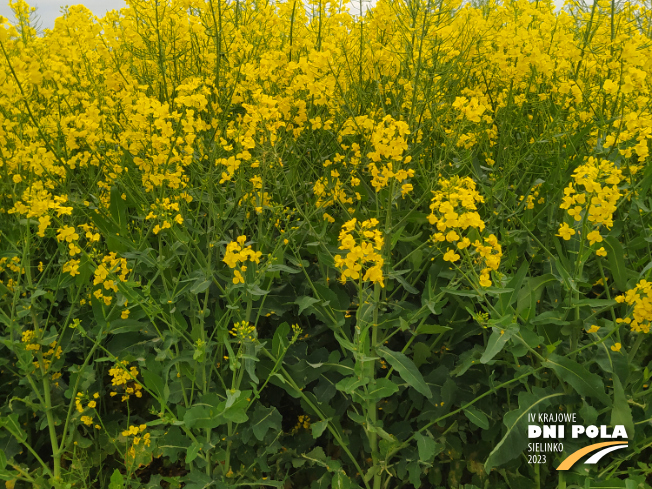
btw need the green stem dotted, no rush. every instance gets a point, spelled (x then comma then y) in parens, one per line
(372, 408)
(54, 441)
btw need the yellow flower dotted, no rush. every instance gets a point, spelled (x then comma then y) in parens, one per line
(451, 256)
(616, 347)
(593, 329)
(485, 280)
(594, 237)
(565, 232)
(238, 278)
(601, 252)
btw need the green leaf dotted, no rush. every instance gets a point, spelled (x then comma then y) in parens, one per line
(397, 275)
(350, 384)
(513, 286)
(340, 481)
(261, 483)
(319, 427)
(462, 293)
(12, 425)
(118, 210)
(615, 257)
(427, 447)
(583, 381)
(202, 417)
(200, 286)
(589, 413)
(477, 417)
(497, 342)
(530, 293)
(154, 383)
(381, 388)
(621, 412)
(265, 419)
(406, 369)
(414, 473)
(305, 302)
(280, 341)
(192, 452)
(282, 268)
(595, 302)
(515, 439)
(421, 354)
(236, 407)
(117, 481)
(432, 329)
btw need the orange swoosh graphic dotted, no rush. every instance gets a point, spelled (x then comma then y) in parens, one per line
(575, 456)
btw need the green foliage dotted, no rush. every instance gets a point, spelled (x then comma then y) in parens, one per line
(237, 253)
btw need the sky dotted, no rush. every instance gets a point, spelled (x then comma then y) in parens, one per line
(48, 10)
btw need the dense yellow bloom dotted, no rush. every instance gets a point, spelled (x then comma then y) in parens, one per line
(123, 378)
(640, 297)
(364, 254)
(237, 254)
(453, 211)
(593, 193)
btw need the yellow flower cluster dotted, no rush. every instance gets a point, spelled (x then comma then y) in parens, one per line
(110, 266)
(124, 379)
(30, 338)
(243, 331)
(13, 265)
(136, 432)
(38, 202)
(389, 143)
(257, 198)
(237, 255)
(453, 210)
(596, 200)
(81, 397)
(331, 190)
(361, 253)
(532, 197)
(303, 421)
(70, 236)
(167, 211)
(470, 109)
(87, 420)
(381, 178)
(453, 207)
(49, 355)
(641, 298)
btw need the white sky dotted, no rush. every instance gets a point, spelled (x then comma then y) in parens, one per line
(48, 10)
